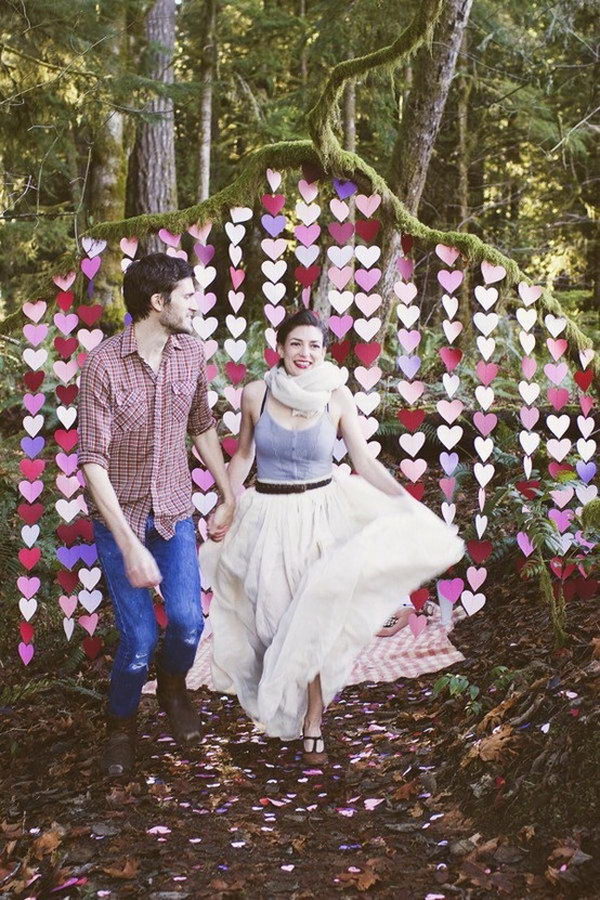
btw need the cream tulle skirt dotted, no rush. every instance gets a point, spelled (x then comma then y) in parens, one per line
(301, 584)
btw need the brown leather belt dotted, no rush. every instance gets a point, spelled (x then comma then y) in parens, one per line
(263, 487)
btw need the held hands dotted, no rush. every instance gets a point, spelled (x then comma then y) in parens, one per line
(140, 566)
(220, 520)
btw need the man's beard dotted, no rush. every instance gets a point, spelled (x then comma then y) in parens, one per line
(174, 327)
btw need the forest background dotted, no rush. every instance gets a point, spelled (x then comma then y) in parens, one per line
(130, 107)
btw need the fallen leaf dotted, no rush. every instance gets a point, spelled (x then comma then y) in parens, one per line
(129, 869)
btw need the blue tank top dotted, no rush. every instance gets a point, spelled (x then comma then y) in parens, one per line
(283, 454)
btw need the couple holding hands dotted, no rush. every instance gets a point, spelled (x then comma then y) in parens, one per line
(306, 566)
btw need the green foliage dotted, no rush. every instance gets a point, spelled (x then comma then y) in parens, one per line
(459, 686)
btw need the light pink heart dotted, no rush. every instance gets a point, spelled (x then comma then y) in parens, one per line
(529, 417)
(35, 311)
(340, 325)
(31, 490)
(413, 469)
(64, 282)
(340, 277)
(450, 281)
(405, 267)
(529, 293)
(167, 237)
(417, 624)
(556, 372)
(525, 544)
(308, 192)
(367, 278)
(492, 274)
(129, 246)
(33, 402)
(200, 232)
(67, 462)
(66, 322)
(476, 576)
(405, 291)
(67, 604)
(89, 622)
(368, 205)
(35, 334)
(367, 378)
(368, 303)
(528, 367)
(448, 255)
(28, 586)
(410, 340)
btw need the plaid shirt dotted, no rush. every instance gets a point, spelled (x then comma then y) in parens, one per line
(133, 422)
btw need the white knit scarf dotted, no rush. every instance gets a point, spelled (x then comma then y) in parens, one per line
(308, 393)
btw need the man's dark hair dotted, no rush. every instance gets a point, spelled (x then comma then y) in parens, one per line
(155, 273)
(303, 317)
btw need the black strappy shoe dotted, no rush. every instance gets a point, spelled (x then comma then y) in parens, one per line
(314, 757)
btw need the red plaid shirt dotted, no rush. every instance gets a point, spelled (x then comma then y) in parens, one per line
(133, 422)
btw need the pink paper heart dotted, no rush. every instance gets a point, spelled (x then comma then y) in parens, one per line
(340, 325)
(367, 278)
(405, 267)
(307, 234)
(200, 232)
(66, 322)
(89, 622)
(67, 604)
(528, 367)
(273, 179)
(35, 334)
(339, 277)
(529, 293)
(368, 205)
(367, 378)
(308, 192)
(167, 237)
(562, 518)
(448, 486)
(205, 301)
(368, 303)
(558, 397)
(417, 624)
(451, 588)
(410, 340)
(26, 652)
(476, 577)
(529, 417)
(485, 422)
(64, 282)
(67, 462)
(31, 490)
(450, 281)
(203, 478)
(557, 347)
(525, 545)
(129, 246)
(28, 586)
(35, 311)
(448, 255)
(405, 291)
(413, 469)
(411, 391)
(90, 267)
(492, 273)
(33, 402)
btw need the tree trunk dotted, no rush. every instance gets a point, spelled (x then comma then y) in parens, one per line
(464, 157)
(106, 188)
(422, 116)
(207, 71)
(154, 152)
(303, 49)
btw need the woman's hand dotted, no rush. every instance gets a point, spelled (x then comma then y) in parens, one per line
(219, 522)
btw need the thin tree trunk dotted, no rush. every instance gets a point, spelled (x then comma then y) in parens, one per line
(464, 157)
(207, 71)
(154, 153)
(303, 50)
(432, 74)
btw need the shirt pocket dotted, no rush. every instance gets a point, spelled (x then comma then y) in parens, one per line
(131, 410)
(182, 395)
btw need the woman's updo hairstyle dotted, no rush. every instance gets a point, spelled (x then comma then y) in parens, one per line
(302, 317)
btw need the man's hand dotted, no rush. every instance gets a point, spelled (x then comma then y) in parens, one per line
(220, 520)
(140, 566)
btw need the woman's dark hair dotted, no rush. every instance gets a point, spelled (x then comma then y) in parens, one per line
(155, 273)
(303, 317)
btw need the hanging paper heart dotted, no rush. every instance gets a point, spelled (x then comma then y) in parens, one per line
(368, 205)
(405, 291)
(35, 334)
(273, 225)
(486, 346)
(340, 325)
(559, 449)
(526, 318)
(583, 380)
(64, 282)
(492, 273)
(32, 447)
(555, 325)
(412, 443)
(448, 462)
(452, 330)
(586, 356)
(367, 353)
(92, 246)
(367, 378)
(367, 328)
(585, 425)
(200, 232)
(471, 602)
(486, 297)
(558, 424)
(344, 189)
(35, 311)
(308, 190)
(448, 255)
(90, 267)
(528, 366)
(529, 293)
(409, 365)
(417, 624)
(410, 391)
(450, 281)
(483, 473)
(450, 305)
(405, 267)
(367, 256)
(368, 303)
(451, 357)
(451, 588)
(367, 229)
(273, 178)
(483, 447)
(413, 469)
(408, 315)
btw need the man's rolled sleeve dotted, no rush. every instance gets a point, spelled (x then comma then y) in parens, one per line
(95, 416)
(201, 417)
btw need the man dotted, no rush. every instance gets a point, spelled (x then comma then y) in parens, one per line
(140, 391)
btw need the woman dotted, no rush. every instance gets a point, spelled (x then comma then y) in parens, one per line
(314, 562)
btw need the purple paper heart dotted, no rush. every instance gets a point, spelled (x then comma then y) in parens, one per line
(449, 462)
(586, 470)
(344, 188)
(561, 518)
(127, 319)
(410, 365)
(67, 556)
(90, 266)
(273, 225)
(204, 252)
(525, 545)
(88, 553)
(32, 447)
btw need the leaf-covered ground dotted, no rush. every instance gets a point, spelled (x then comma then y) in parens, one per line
(424, 796)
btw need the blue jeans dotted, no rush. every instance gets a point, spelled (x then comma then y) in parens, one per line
(177, 561)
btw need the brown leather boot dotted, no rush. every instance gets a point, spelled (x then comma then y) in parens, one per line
(119, 753)
(173, 699)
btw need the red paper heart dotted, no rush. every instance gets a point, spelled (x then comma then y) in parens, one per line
(27, 631)
(406, 242)
(415, 490)
(81, 358)
(570, 590)
(271, 357)
(419, 598)
(85, 529)
(479, 550)
(32, 468)
(33, 380)
(68, 534)
(67, 393)
(65, 346)
(451, 356)
(368, 229)
(66, 439)
(555, 468)
(529, 489)
(236, 372)
(340, 351)
(64, 299)
(160, 614)
(273, 203)
(67, 580)
(561, 569)
(90, 314)
(341, 232)
(367, 353)
(30, 513)
(92, 646)
(411, 418)
(29, 557)
(587, 589)
(230, 445)
(306, 276)
(584, 379)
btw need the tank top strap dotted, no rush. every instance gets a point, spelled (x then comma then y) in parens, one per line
(264, 400)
